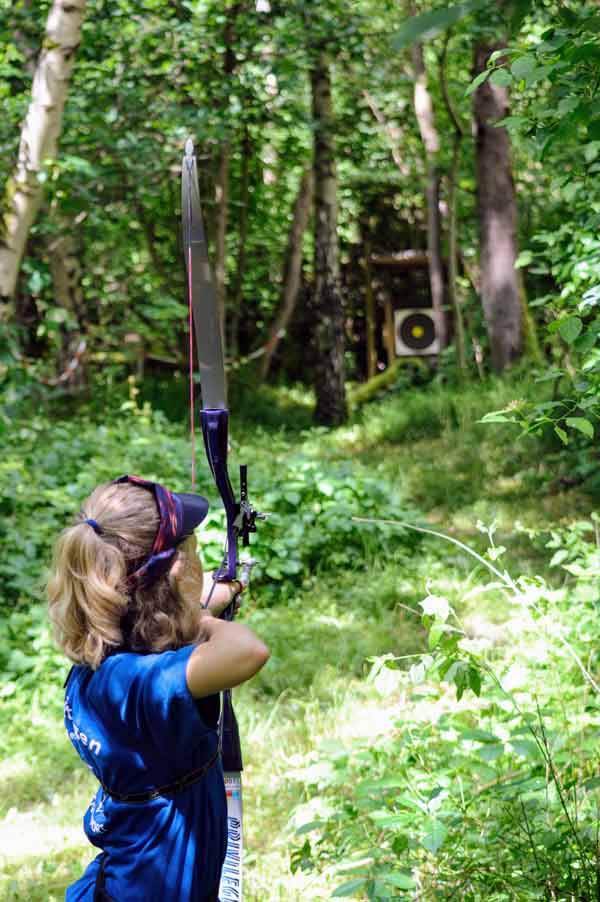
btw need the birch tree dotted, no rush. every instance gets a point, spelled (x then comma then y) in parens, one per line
(425, 115)
(39, 135)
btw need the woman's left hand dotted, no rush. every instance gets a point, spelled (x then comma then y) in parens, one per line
(198, 588)
(217, 596)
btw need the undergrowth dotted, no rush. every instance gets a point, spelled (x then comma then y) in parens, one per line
(347, 759)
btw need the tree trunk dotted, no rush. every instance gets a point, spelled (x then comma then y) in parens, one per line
(453, 287)
(39, 135)
(292, 269)
(221, 223)
(453, 290)
(222, 176)
(426, 121)
(497, 209)
(238, 294)
(370, 315)
(327, 300)
(66, 273)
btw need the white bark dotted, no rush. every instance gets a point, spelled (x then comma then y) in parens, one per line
(429, 135)
(39, 135)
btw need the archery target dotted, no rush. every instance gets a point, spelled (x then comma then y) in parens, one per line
(416, 332)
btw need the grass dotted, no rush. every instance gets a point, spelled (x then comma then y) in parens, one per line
(427, 449)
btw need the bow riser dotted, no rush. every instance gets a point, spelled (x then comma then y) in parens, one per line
(215, 429)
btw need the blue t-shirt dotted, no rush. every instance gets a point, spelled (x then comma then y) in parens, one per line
(136, 726)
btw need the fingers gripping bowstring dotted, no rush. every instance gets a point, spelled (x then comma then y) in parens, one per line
(212, 588)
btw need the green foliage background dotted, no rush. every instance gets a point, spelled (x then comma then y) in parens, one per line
(425, 728)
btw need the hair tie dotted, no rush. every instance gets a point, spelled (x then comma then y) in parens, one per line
(94, 526)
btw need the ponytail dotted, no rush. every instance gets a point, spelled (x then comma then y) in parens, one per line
(90, 604)
(87, 587)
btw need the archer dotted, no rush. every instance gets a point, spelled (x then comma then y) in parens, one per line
(131, 608)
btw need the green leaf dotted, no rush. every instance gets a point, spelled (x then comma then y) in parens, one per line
(478, 81)
(524, 259)
(550, 375)
(501, 77)
(18, 662)
(511, 122)
(491, 752)
(567, 105)
(581, 424)
(309, 827)
(386, 819)
(523, 66)
(350, 888)
(35, 282)
(435, 838)
(475, 681)
(586, 341)
(274, 572)
(526, 748)
(558, 557)
(479, 735)
(497, 416)
(399, 880)
(429, 24)
(570, 328)
(562, 435)
(537, 74)
(435, 634)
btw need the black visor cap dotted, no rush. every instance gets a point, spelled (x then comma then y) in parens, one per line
(195, 509)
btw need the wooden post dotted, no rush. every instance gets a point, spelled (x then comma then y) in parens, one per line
(389, 332)
(370, 313)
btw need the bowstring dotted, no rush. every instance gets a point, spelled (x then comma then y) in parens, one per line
(191, 356)
(215, 581)
(191, 336)
(220, 725)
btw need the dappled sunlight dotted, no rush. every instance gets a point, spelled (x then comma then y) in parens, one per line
(36, 832)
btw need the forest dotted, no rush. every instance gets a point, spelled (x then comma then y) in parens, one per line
(402, 209)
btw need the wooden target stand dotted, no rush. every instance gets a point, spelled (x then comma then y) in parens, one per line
(379, 288)
(377, 266)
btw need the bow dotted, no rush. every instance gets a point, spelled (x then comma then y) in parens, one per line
(214, 417)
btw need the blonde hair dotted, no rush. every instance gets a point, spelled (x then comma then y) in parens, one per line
(91, 608)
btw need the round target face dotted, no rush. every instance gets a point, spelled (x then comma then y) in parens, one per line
(417, 331)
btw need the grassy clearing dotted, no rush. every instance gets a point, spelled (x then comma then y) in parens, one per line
(437, 466)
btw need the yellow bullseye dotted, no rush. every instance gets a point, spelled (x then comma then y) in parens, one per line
(417, 331)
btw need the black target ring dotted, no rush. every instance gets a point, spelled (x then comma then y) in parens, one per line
(417, 331)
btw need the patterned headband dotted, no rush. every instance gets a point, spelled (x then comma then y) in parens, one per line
(168, 535)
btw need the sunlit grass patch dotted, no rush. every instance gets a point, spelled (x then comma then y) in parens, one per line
(44, 874)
